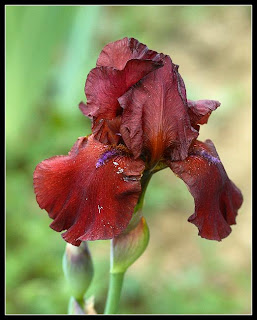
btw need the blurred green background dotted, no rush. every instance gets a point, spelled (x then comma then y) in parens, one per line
(49, 52)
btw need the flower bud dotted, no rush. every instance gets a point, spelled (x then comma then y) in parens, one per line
(128, 247)
(78, 269)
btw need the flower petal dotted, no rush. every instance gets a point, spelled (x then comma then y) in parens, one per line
(200, 110)
(107, 131)
(181, 85)
(155, 115)
(105, 85)
(117, 53)
(217, 199)
(91, 192)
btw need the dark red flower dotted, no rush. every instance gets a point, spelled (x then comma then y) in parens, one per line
(141, 121)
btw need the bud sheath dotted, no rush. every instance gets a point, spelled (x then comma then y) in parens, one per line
(74, 307)
(128, 247)
(78, 269)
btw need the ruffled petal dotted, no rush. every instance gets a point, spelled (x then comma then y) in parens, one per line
(116, 54)
(200, 110)
(216, 197)
(107, 131)
(155, 118)
(105, 85)
(91, 192)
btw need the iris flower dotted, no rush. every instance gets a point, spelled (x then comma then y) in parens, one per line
(142, 122)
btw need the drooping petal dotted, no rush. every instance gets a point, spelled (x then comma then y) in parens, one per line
(155, 115)
(105, 85)
(117, 53)
(216, 197)
(91, 192)
(200, 110)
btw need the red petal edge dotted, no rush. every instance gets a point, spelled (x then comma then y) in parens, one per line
(200, 110)
(91, 192)
(217, 199)
(116, 54)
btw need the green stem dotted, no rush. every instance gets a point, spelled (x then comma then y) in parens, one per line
(113, 298)
(116, 279)
(144, 183)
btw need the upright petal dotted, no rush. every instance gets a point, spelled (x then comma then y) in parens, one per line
(105, 85)
(155, 118)
(216, 197)
(91, 192)
(117, 53)
(200, 110)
